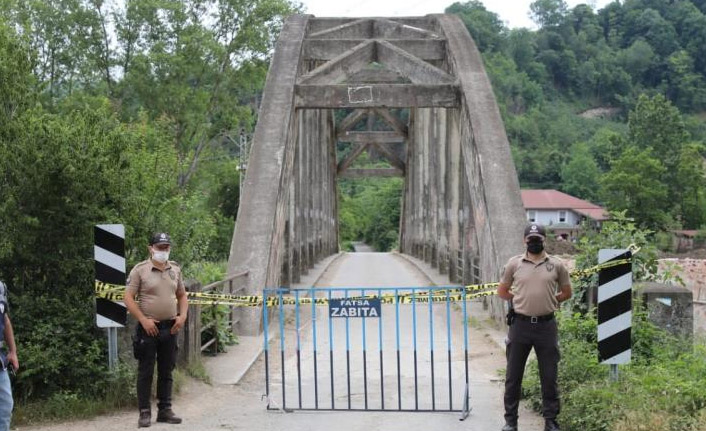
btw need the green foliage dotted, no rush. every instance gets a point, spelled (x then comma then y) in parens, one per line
(645, 58)
(663, 241)
(665, 378)
(618, 232)
(134, 126)
(221, 329)
(369, 211)
(485, 27)
(634, 184)
(15, 76)
(665, 374)
(66, 405)
(209, 272)
(580, 175)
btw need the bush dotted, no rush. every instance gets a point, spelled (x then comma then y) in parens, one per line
(661, 389)
(664, 241)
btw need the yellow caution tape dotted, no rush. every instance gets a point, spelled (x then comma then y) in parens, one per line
(117, 293)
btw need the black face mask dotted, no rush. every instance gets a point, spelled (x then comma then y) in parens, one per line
(535, 247)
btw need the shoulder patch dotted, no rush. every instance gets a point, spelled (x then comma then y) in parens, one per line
(175, 263)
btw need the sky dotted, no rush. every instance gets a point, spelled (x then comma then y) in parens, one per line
(515, 13)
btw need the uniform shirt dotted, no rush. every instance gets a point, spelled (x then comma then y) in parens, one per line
(535, 285)
(157, 289)
(4, 309)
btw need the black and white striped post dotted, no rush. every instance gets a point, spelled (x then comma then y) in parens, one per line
(615, 309)
(109, 255)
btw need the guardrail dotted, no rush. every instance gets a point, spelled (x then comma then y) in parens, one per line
(222, 286)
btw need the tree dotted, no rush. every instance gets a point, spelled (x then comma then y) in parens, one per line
(16, 77)
(199, 63)
(687, 88)
(691, 185)
(607, 145)
(486, 27)
(548, 13)
(638, 58)
(580, 176)
(634, 184)
(655, 123)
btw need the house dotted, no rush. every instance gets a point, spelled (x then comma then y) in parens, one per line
(560, 213)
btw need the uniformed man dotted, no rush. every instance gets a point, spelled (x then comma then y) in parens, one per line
(161, 314)
(535, 284)
(9, 361)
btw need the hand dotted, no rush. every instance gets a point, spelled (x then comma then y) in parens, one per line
(150, 326)
(13, 361)
(178, 324)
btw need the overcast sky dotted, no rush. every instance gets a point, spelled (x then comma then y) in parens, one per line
(515, 13)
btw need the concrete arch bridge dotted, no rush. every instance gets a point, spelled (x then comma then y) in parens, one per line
(414, 92)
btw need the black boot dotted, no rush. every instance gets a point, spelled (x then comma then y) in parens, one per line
(509, 427)
(551, 425)
(168, 416)
(145, 419)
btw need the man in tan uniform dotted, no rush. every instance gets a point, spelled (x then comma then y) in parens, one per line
(161, 314)
(535, 284)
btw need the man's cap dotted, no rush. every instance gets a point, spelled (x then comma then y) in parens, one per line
(535, 229)
(160, 238)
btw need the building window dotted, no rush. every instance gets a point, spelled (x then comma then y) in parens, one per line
(562, 216)
(532, 216)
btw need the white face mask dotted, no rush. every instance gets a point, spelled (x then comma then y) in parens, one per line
(160, 256)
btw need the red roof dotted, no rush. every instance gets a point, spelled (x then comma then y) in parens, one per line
(554, 199)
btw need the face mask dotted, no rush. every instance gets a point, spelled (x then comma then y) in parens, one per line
(535, 247)
(160, 256)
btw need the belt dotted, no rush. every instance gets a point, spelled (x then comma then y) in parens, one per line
(165, 324)
(535, 319)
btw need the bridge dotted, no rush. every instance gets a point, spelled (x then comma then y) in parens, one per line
(413, 90)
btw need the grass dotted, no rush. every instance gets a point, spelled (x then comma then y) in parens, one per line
(67, 406)
(198, 372)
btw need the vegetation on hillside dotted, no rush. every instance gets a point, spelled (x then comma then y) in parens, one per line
(661, 389)
(115, 112)
(645, 57)
(642, 64)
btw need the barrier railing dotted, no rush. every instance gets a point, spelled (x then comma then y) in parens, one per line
(221, 286)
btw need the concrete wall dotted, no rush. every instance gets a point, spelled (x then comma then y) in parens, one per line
(693, 272)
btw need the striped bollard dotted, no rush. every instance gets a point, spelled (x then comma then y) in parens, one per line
(109, 255)
(615, 309)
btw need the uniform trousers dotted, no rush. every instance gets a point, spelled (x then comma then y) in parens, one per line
(522, 337)
(163, 349)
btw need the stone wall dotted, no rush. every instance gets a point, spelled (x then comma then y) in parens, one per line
(693, 272)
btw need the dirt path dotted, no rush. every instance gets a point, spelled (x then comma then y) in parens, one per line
(242, 407)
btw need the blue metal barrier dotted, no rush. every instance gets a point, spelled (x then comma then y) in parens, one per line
(425, 381)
